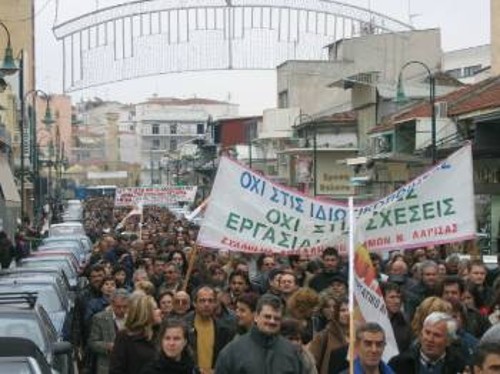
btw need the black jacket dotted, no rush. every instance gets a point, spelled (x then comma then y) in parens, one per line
(131, 353)
(409, 362)
(257, 353)
(402, 331)
(223, 335)
(163, 365)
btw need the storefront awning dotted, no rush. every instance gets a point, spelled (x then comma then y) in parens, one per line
(7, 183)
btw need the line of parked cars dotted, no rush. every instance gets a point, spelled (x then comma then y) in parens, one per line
(36, 303)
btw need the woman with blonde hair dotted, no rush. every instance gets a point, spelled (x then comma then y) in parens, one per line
(426, 307)
(134, 346)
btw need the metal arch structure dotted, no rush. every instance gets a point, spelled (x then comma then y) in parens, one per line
(152, 37)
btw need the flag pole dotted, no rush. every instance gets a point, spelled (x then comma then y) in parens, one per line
(351, 283)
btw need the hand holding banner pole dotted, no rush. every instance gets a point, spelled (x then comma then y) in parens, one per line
(192, 261)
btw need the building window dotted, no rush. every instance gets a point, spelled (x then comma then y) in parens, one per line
(469, 71)
(155, 144)
(200, 128)
(455, 73)
(155, 129)
(283, 99)
(173, 144)
(173, 129)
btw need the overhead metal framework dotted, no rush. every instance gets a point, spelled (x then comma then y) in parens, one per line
(152, 37)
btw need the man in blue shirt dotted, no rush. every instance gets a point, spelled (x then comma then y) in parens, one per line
(370, 345)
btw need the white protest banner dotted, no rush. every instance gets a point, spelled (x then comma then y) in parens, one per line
(166, 195)
(249, 213)
(435, 208)
(370, 304)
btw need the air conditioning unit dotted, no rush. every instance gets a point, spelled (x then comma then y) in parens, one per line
(441, 109)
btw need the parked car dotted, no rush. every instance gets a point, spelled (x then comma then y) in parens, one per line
(55, 274)
(58, 253)
(66, 228)
(20, 355)
(75, 247)
(84, 239)
(61, 262)
(22, 317)
(48, 294)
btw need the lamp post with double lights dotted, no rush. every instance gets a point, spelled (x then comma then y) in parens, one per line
(306, 118)
(401, 97)
(32, 131)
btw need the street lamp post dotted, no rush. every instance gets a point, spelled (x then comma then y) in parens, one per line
(32, 130)
(400, 97)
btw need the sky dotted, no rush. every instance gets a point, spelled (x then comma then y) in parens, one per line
(463, 23)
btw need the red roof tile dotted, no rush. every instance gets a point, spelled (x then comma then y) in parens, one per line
(467, 99)
(349, 116)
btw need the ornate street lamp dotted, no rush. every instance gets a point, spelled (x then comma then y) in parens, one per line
(401, 97)
(32, 131)
(8, 64)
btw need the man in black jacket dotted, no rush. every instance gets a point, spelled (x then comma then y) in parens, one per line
(262, 350)
(433, 354)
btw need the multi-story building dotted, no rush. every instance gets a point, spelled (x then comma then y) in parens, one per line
(167, 128)
(18, 18)
(469, 65)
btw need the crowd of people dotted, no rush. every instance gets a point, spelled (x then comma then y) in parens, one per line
(155, 303)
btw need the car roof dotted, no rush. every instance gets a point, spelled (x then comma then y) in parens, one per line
(20, 347)
(12, 347)
(47, 271)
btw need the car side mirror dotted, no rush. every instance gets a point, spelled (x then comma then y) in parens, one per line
(62, 348)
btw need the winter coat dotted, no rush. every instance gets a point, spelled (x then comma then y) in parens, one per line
(102, 332)
(256, 352)
(131, 353)
(164, 364)
(409, 362)
(324, 343)
(223, 335)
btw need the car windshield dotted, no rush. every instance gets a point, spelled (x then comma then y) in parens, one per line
(47, 295)
(21, 327)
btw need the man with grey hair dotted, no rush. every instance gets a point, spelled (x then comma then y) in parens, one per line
(370, 346)
(433, 354)
(103, 330)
